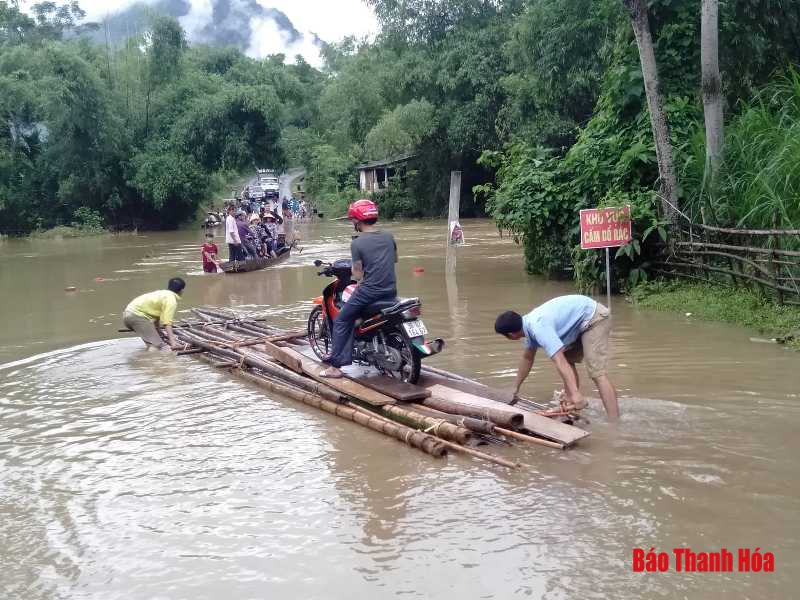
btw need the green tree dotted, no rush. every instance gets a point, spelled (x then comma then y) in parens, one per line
(401, 130)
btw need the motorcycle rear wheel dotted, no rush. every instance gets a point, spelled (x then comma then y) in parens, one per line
(319, 334)
(411, 365)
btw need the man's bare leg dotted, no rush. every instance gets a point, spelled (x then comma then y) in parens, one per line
(577, 378)
(609, 395)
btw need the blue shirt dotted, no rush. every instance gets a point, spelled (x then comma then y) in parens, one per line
(558, 322)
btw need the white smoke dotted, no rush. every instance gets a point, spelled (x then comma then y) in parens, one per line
(200, 14)
(267, 38)
(257, 27)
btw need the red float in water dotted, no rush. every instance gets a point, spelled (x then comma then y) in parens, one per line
(419, 270)
(99, 279)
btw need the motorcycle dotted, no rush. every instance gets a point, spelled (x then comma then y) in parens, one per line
(213, 219)
(390, 338)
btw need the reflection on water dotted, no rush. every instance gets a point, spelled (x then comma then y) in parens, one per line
(125, 474)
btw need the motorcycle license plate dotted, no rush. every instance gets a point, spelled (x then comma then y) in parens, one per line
(415, 328)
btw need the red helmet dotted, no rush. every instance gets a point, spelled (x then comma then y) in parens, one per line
(361, 210)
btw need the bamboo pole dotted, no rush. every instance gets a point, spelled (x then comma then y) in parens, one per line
(528, 438)
(775, 270)
(233, 318)
(427, 443)
(440, 427)
(188, 325)
(458, 447)
(717, 269)
(250, 342)
(475, 425)
(244, 328)
(749, 231)
(245, 357)
(482, 455)
(443, 373)
(242, 321)
(753, 249)
(728, 255)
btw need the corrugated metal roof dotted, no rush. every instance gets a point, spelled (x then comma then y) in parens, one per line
(385, 162)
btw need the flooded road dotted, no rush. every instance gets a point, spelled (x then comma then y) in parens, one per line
(131, 475)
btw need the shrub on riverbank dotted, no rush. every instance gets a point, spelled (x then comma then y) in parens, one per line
(718, 303)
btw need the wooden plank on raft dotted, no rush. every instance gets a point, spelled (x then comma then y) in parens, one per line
(399, 390)
(430, 376)
(542, 426)
(344, 385)
(284, 356)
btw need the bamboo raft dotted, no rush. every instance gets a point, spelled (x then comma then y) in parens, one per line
(443, 412)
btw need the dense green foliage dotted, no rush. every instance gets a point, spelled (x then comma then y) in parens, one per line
(544, 178)
(139, 135)
(759, 185)
(540, 104)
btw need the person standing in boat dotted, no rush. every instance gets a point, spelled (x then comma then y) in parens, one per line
(146, 312)
(271, 230)
(569, 329)
(374, 255)
(232, 236)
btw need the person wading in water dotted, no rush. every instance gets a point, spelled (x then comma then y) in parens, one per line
(209, 253)
(146, 312)
(569, 329)
(374, 255)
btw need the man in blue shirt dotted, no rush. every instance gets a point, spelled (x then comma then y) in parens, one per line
(568, 329)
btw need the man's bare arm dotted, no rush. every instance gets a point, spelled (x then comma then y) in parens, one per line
(171, 337)
(524, 368)
(358, 270)
(567, 373)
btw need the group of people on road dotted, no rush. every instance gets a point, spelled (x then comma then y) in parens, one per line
(570, 329)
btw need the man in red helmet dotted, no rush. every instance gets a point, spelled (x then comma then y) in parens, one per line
(374, 254)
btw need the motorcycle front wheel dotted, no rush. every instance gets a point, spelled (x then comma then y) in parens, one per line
(319, 334)
(411, 362)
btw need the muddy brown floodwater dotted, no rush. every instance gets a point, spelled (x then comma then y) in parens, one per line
(131, 475)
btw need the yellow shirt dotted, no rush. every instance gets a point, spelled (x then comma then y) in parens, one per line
(159, 305)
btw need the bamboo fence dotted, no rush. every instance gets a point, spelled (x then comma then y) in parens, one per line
(764, 260)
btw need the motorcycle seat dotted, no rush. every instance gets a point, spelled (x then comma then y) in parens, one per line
(380, 305)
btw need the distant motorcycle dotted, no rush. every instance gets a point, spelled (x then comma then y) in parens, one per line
(392, 336)
(213, 219)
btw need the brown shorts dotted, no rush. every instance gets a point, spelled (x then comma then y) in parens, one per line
(593, 344)
(144, 327)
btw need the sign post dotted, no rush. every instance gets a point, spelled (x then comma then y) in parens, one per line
(606, 228)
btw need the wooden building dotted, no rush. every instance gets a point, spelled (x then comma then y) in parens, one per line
(374, 176)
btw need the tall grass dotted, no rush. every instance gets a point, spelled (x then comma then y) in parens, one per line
(759, 182)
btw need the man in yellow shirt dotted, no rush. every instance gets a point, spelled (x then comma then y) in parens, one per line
(147, 311)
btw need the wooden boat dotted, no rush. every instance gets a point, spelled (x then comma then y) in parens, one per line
(255, 264)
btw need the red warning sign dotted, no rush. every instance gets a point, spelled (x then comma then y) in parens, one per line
(605, 227)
